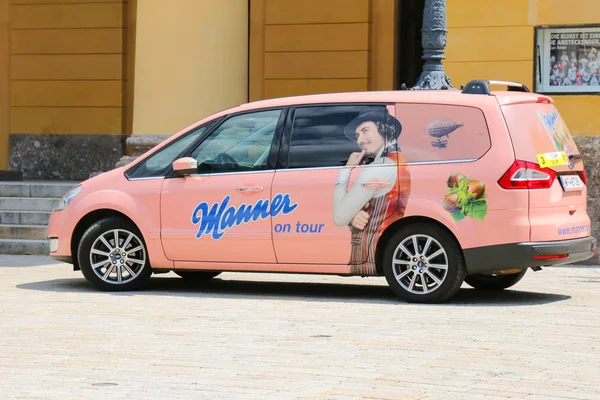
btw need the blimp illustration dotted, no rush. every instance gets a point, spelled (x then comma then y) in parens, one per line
(440, 130)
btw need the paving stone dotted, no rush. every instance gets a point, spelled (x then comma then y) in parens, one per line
(61, 339)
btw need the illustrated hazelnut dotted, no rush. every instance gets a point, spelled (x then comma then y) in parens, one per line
(454, 179)
(477, 188)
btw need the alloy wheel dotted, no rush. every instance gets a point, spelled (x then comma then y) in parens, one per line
(117, 256)
(420, 264)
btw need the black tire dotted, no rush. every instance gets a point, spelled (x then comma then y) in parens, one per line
(197, 276)
(494, 282)
(122, 267)
(448, 282)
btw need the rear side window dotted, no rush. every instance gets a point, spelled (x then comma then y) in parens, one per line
(327, 136)
(437, 132)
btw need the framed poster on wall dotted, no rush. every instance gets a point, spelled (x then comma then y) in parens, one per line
(567, 59)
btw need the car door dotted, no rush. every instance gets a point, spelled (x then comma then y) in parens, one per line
(222, 213)
(340, 207)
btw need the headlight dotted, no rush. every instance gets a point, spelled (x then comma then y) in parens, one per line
(66, 199)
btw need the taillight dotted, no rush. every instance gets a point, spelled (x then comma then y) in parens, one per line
(527, 175)
(550, 257)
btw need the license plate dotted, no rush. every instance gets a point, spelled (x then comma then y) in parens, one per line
(571, 182)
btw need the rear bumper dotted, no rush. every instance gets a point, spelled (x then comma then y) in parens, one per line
(496, 258)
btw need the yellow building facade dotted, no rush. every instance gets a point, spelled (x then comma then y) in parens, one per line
(495, 40)
(78, 77)
(63, 72)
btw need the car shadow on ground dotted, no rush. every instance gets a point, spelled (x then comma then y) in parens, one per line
(298, 291)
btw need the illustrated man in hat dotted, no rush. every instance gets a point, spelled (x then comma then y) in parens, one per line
(379, 192)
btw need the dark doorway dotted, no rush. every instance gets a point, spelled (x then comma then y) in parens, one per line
(409, 50)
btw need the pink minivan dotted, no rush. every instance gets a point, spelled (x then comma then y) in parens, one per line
(427, 188)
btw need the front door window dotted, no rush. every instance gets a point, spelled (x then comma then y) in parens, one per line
(242, 143)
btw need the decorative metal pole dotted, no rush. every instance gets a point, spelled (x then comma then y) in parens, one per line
(434, 34)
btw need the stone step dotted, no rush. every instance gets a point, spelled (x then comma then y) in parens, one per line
(21, 246)
(27, 203)
(24, 217)
(35, 188)
(34, 232)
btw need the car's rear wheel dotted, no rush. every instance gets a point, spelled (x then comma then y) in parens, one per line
(494, 282)
(423, 264)
(113, 256)
(197, 276)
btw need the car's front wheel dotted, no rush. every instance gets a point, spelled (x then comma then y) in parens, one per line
(113, 256)
(494, 282)
(423, 264)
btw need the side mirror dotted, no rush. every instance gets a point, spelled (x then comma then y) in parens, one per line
(185, 166)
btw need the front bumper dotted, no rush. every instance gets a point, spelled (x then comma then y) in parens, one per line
(60, 229)
(54, 245)
(66, 259)
(490, 259)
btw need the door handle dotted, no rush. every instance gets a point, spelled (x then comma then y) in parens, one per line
(375, 185)
(250, 189)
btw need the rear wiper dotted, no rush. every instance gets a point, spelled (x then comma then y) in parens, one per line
(574, 157)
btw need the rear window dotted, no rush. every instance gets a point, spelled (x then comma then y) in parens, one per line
(537, 129)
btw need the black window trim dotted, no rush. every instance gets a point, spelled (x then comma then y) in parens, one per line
(283, 158)
(274, 151)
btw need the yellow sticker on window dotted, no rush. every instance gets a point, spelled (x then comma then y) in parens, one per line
(552, 159)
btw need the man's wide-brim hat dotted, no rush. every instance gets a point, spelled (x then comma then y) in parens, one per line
(373, 114)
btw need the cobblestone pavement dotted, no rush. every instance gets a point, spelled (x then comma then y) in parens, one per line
(262, 336)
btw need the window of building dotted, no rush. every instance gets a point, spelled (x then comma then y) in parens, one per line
(567, 59)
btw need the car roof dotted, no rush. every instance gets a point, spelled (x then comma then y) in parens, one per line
(398, 96)
(448, 97)
(454, 97)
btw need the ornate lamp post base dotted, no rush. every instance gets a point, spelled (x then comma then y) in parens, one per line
(431, 80)
(434, 34)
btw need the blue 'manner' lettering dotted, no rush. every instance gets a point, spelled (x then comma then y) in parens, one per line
(573, 230)
(220, 217)
(550, 119)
